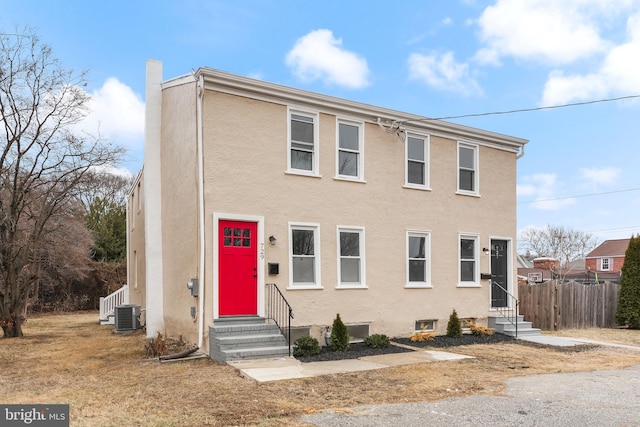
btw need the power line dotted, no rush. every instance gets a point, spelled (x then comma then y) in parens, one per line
(524, 110)
(633, 227)
(579, 196)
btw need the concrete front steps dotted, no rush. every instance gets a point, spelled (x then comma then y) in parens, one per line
(251, 337)
(504, 325)
(109, 320)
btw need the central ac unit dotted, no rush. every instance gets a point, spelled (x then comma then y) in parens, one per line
(127, 317)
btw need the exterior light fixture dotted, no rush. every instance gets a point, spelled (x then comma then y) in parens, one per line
(272, 240)
(486, 251)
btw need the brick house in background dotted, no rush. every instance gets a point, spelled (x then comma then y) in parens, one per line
(608, 256)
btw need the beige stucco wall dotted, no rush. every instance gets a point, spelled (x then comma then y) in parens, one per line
(179, 209)
(245, 162)
(245, 143)
(136, 270)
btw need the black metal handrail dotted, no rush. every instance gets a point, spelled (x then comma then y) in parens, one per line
(510, 312)
(279, 310)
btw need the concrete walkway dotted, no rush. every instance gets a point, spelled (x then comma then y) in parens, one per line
(289, 367)
(263, 370)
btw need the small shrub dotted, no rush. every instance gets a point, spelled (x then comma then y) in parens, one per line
(479, 330)
(454, 329)
(339, 335)
(422, 335)
(377, 341)
(306, 346)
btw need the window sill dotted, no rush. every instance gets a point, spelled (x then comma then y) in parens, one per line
(416, 187)
(352, 287)
(304, 287)
(302, 173)
(469, 285)
(349, 179)
(466, 193)
(418, 286)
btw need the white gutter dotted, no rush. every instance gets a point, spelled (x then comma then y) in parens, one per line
(200, 160)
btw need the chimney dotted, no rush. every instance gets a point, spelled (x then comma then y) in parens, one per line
(546, 263)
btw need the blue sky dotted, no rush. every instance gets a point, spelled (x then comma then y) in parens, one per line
(433, 58)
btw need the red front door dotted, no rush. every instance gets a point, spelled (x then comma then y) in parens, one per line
(237, 268)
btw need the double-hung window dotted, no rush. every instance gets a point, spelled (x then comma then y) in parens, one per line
(468, 255)
(351, 259)
(467, 168)
(350, 142)
(303, 143)
(605, 264)
(418, 259)
(304, 244)
(417, 161)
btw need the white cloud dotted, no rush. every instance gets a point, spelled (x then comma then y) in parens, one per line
(443, 72)
(116, 113)
(606, 176)
(320, 56)
(557, 32)
(543, 186)
(112, 170)
(619, 74)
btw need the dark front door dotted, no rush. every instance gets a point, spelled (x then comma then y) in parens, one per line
(237, 265)
(499, 273)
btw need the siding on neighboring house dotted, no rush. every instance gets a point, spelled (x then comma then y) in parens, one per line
(612, 251)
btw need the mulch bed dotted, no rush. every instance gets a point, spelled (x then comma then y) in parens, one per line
(357, 350)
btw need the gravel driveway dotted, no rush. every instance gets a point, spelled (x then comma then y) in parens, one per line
(600, 398)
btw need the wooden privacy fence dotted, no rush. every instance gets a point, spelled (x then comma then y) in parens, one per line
(552, 305)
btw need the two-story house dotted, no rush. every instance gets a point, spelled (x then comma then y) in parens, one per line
(608, 256)
(388, 218)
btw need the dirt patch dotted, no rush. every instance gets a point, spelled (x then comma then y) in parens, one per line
(107, 379)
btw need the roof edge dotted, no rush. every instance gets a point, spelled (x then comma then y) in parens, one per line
(216, 79)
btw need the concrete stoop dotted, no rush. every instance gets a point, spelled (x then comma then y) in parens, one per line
(110, 320)
(238, 338)
(504, 325)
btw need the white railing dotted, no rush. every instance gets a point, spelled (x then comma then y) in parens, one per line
(109, 303)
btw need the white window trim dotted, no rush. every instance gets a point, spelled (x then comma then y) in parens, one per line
(476, 163)
(316, 250)
(360, 152)
(427, 283)
(315, 171)
(476, 257)
(609, 261)
(427, 161)
(510, 261)
(217, 217)
(363, 268)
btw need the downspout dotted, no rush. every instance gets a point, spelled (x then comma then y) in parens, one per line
(200, 160)
(521, 153)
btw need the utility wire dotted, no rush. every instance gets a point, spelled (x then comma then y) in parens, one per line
(579, 196)
(523, 110)
(633, 227)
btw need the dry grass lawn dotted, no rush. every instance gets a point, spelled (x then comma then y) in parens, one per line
(108, 381)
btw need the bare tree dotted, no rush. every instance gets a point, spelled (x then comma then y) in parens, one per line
(43, 162)
(105, 185)
(558, 242)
